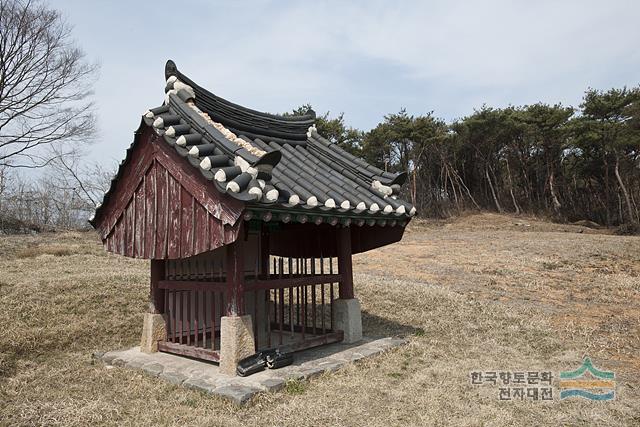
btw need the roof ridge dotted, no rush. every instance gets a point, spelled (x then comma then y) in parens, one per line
(295, 120)
(270, 162)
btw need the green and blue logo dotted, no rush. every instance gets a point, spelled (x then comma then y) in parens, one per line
(597, 385)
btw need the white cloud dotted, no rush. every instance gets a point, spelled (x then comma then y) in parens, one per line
(365, 58)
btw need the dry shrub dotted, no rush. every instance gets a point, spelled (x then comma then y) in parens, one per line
(628, 229)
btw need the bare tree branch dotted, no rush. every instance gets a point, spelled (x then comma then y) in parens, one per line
(45, 83)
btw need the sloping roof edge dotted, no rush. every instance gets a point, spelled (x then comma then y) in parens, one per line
(316, 155)
(107, 194)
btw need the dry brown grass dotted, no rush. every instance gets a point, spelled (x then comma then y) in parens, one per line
(477, 293)
(55, 249)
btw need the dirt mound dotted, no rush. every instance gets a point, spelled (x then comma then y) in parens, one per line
(587, 223)
(485, 221)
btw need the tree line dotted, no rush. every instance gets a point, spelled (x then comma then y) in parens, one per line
(563, 162)
(553, 160)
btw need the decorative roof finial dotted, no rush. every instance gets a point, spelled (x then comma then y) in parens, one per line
(170, 69)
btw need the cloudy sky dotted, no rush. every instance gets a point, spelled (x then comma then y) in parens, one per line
(363, 58)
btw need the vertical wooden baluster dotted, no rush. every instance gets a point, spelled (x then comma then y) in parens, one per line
(213, 320)
(222, 298)
(298, 292)
(188, 317)
(290, 263)
(281, 315)
(276, 306)
(255, 317)
(313, 296)
(257, 268)
(306, 294)
(166, 300)
(274, 294)
(204, 319)
(281, 298)
(331, 292)
(268, 302)
(174, 315)
(181, 316)
(168, 311)
(304, 311)
(255, 303)
(285, 311)
(275, 297)
(196, 312)
(303, 299)
(322, 294)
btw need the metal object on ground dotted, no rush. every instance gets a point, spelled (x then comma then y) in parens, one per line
(252, 364)
(272, 359)
(278, 359)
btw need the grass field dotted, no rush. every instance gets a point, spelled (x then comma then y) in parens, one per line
(478, 293)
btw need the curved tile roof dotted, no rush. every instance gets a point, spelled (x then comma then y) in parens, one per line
(276, 164)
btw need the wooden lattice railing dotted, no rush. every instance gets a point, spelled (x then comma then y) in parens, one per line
(291, 307)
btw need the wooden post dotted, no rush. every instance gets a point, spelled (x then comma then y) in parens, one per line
(344, 263)
(156, 297)
(235, 276)
(264, 252)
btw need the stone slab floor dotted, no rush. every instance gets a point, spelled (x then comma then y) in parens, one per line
(206, 376)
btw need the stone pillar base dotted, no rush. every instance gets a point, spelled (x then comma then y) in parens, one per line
(236, 342)
(348, 319)
(154, 329)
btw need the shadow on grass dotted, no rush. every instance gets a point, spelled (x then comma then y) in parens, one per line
(373, 327)
(8, 365)
(379, 327)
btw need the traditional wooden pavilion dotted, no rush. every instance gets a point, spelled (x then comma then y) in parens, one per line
(250, 221)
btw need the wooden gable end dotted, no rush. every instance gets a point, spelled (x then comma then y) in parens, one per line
(161, 208)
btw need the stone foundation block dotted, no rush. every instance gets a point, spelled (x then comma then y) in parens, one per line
(236, 342)
(348, 318)
(154, 329)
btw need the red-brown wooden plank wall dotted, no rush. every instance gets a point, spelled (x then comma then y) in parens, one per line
(163, 220)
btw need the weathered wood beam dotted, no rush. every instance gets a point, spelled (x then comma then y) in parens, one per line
(344, 263)
(190, 351)
(313, 342)
(235, 276)
(264, 251)
(281, 283)
(192, 285)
